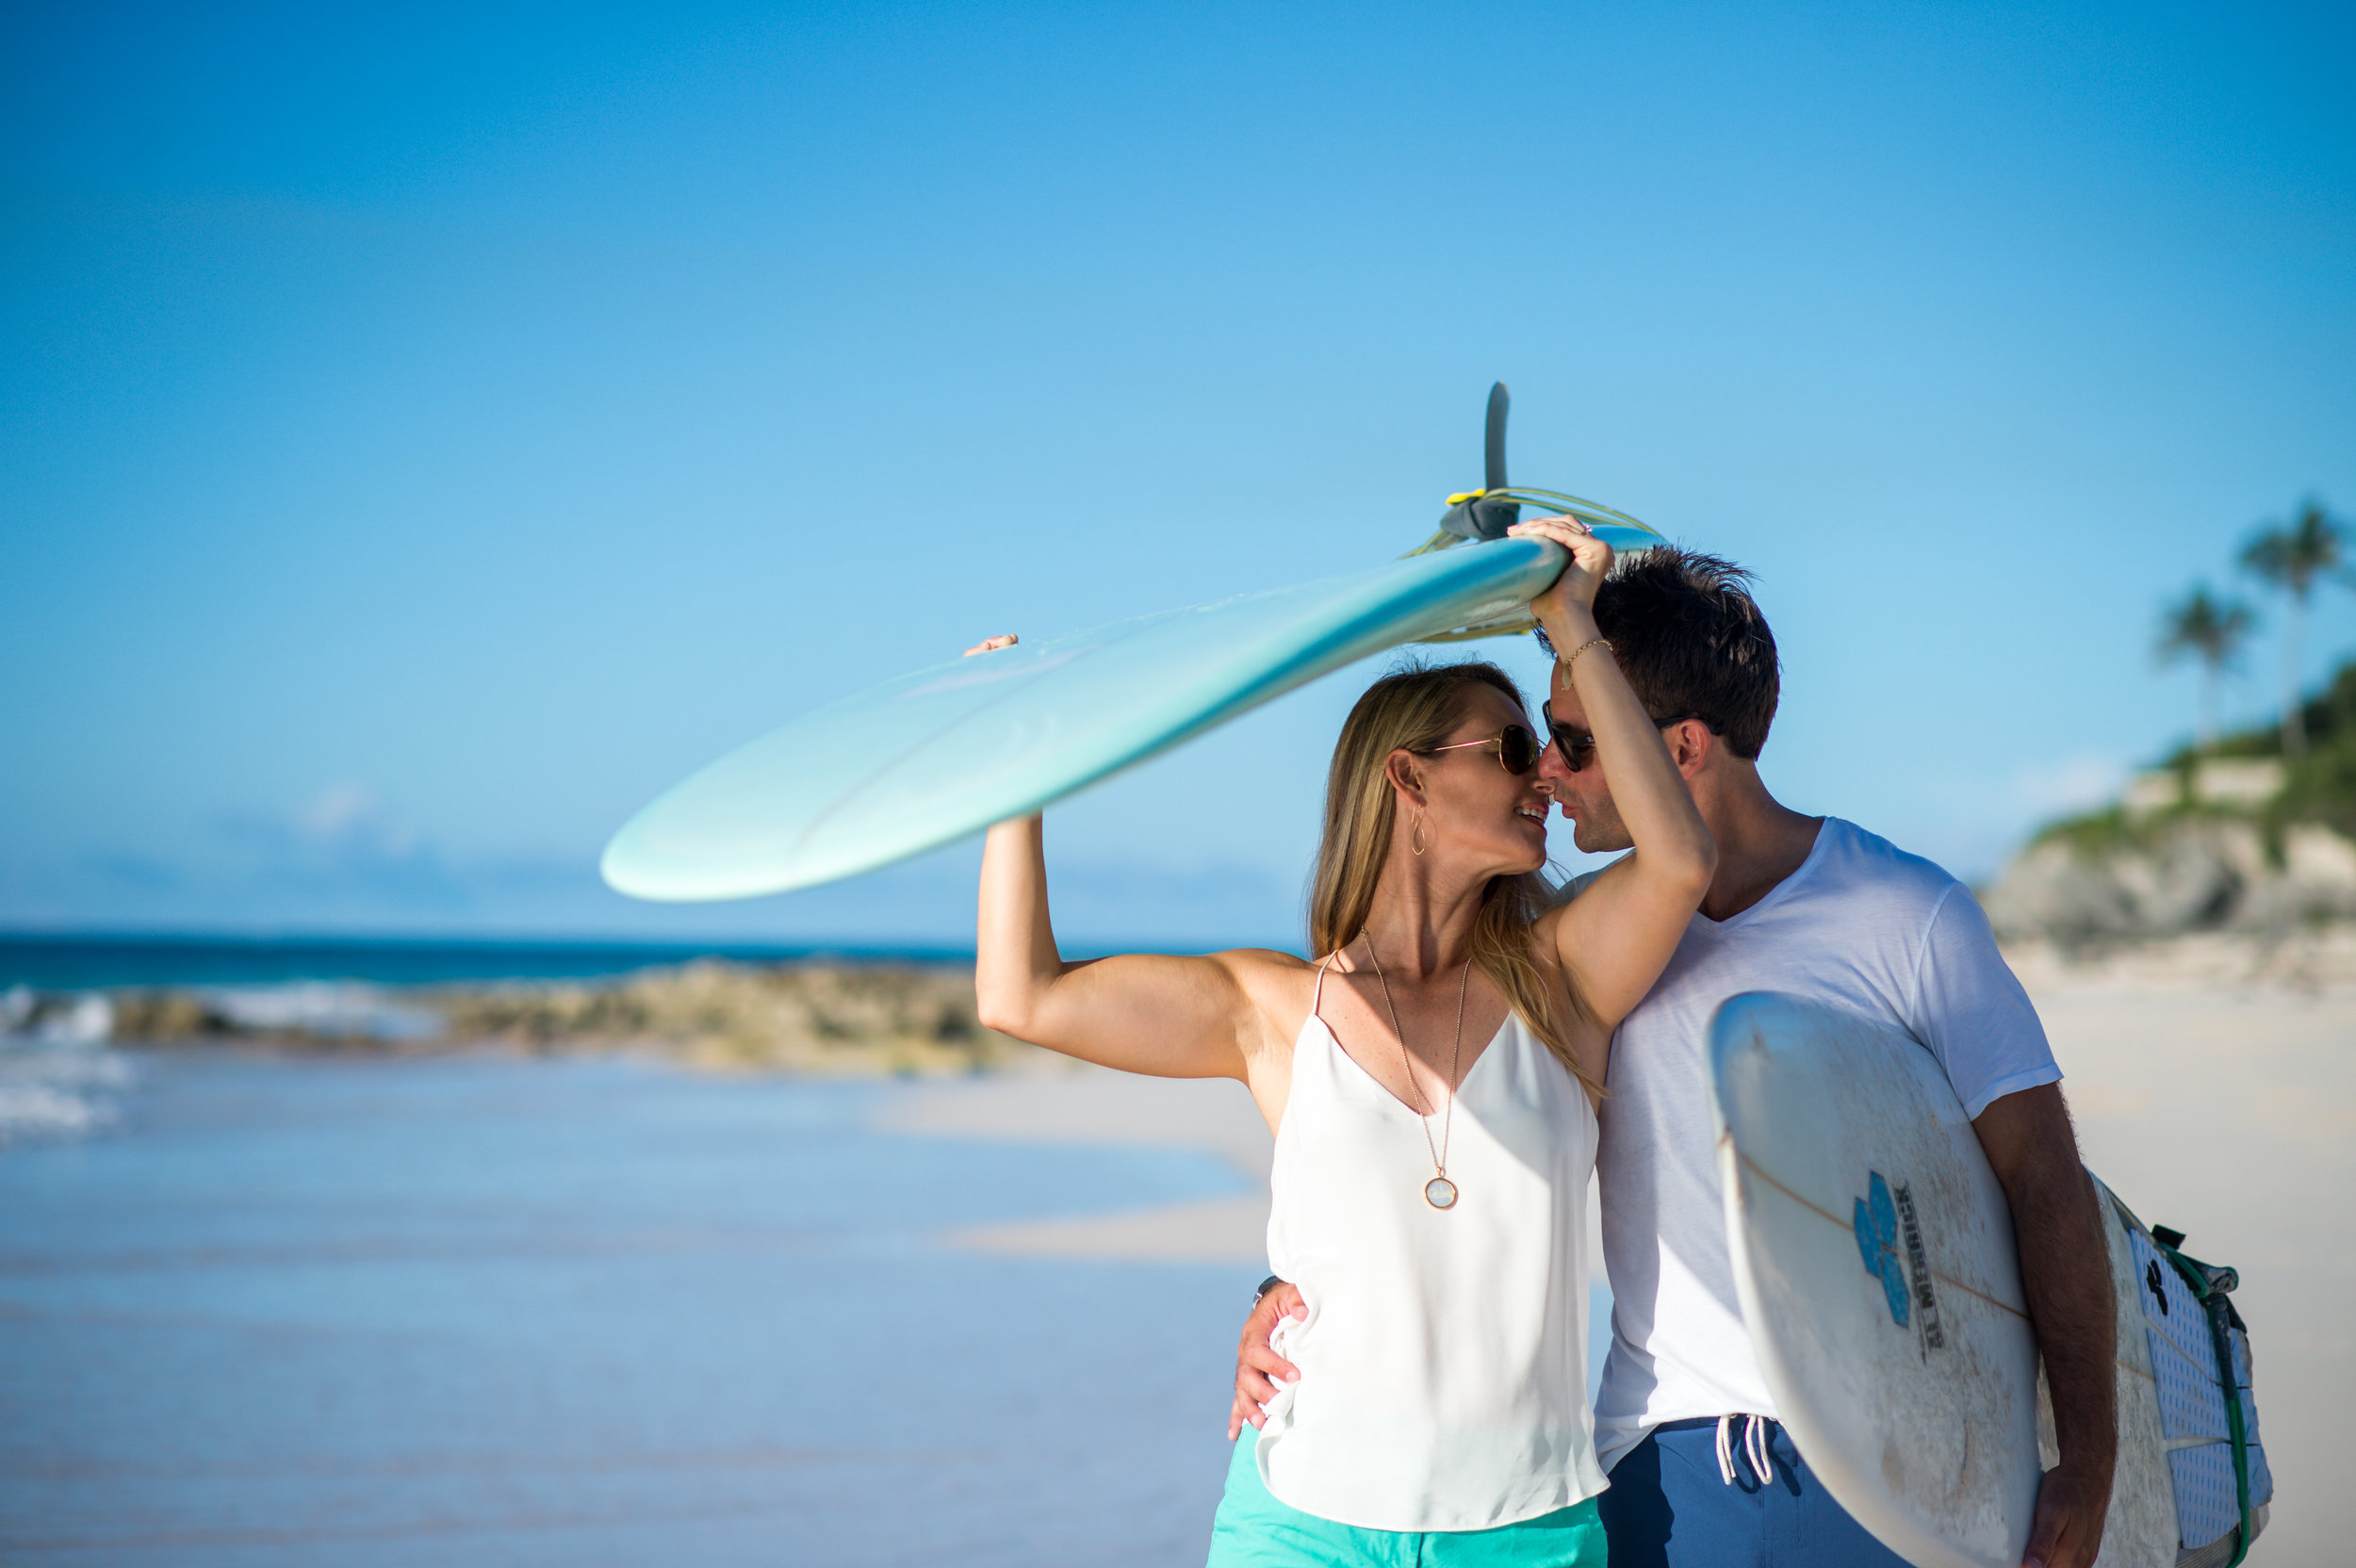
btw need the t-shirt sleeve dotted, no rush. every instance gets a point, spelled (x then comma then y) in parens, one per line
(1971, 1010)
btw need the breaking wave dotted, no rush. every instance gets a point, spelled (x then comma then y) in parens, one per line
(57, 1079)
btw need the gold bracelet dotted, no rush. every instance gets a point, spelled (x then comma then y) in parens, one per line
(1568, 671)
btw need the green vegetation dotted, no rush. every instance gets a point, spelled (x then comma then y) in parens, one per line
(2319, 784)
(2213, 630)
(2314, 739)
(2292, 557)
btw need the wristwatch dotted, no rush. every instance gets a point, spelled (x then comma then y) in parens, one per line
(1265, 1286)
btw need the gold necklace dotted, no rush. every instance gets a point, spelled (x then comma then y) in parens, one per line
(1439, 1192)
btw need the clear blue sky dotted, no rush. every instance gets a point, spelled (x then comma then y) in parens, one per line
(424, 435)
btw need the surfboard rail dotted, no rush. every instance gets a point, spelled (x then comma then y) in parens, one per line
(945, 751)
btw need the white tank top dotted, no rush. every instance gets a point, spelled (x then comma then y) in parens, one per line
(1443, 1361)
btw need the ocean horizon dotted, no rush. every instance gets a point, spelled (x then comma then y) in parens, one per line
(98, 960)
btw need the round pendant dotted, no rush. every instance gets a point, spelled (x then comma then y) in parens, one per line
(1440, 1193)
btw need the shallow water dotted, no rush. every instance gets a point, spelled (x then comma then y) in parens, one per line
(483, 1310)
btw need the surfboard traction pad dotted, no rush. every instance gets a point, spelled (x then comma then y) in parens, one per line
(2175, 1499)
(2174, 1429)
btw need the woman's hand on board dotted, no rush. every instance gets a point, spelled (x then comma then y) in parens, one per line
(1574, 591)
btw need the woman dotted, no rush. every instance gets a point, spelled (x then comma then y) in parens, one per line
(1430, 1079)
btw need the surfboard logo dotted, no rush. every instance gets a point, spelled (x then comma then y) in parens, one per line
(1881, 1217)
(1919, 1264)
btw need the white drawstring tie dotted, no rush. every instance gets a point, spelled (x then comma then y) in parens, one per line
(1754, 1450)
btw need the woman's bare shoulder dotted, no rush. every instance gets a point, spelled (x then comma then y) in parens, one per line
(1276, 983)
(1266, 969)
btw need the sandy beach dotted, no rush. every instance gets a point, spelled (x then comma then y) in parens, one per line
(2215, 1087)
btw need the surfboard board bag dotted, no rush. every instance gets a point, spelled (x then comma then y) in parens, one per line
(2199, 1349)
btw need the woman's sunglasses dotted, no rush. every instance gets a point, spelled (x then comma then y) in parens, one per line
(1518, 748)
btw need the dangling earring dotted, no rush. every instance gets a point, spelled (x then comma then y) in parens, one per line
(1414, 836)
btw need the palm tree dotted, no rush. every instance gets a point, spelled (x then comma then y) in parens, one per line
(2292, 557)
(2213, 630)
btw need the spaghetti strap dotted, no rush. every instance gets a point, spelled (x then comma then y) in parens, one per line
(1317, 996)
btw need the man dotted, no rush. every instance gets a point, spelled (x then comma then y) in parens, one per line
(1815, 907)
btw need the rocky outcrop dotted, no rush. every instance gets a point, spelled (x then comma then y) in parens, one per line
(811, 1018)
(2190, 872)
(802, 1017)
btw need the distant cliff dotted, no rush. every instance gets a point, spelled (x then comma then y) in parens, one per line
(2236, 838)
(2197, 872)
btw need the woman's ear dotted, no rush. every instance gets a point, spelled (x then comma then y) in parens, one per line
(1404, 769)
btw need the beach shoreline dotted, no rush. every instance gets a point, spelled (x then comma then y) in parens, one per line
(2212, 1080)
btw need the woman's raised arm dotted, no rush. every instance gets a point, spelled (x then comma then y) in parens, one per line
(1617, 937)
(1168, 1017)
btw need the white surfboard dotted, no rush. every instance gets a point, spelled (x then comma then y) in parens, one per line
(917, 762)
(1874, 1259)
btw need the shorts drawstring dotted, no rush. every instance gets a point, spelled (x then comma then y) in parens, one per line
(1756, 1432)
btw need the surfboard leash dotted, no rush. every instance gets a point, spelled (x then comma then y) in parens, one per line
(2211, 1285)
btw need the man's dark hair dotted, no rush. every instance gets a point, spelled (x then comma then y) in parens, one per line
(1689, 636)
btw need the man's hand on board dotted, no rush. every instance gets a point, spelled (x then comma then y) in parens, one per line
(1258, 1367)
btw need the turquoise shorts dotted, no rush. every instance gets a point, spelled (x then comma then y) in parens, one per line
(1255, 1530)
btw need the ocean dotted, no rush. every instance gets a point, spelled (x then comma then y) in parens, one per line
(263, 1309)
(77, 961)
(53, 995)
(480, 1310)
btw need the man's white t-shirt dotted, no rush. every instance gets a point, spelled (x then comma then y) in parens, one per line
(1862, 925)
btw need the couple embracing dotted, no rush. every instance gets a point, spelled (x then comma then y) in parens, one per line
(1466, 1047)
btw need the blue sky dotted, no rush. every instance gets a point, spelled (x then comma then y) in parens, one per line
(426, 434)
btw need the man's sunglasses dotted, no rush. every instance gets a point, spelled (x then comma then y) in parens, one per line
(1578, 750)
(1518, 748)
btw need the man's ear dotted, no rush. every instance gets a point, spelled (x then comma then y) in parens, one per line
(1692, 746)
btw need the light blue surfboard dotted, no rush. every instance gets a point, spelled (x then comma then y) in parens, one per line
(919, 762)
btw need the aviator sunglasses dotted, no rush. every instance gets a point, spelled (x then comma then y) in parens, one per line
(1517, 749)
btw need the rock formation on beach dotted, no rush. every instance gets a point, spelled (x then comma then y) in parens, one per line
(813, 1018)
(804, 1018)
(2199, 873)
(2232, 838)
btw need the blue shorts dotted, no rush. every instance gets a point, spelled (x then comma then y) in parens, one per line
(1255, 1530)
(1671, 1506)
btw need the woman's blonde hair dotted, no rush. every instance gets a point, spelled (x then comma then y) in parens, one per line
(1414, 709)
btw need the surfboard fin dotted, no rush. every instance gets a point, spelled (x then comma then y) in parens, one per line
(1477, 516)
(1483, 513)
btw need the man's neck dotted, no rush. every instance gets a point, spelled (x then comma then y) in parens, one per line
(1760, 840)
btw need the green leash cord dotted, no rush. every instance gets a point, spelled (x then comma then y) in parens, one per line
(2213, 1302)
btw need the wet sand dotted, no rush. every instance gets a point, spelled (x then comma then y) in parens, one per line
(2215, 1088)
(485, 1310)
(1096, 1105)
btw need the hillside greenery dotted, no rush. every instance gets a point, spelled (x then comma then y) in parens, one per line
(2320, 787)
